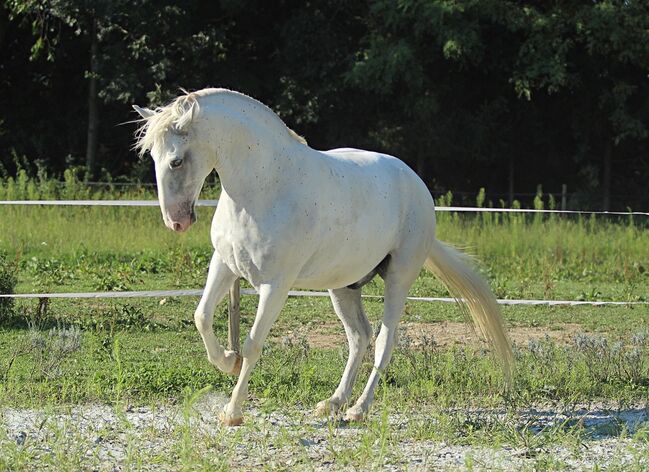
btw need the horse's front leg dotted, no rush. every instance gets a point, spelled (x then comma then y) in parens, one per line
(271, 301)
(219, 280)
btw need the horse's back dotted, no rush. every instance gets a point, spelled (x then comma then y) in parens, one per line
(389, 172)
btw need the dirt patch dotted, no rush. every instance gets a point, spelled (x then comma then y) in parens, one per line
(449, 333)
(445, 333)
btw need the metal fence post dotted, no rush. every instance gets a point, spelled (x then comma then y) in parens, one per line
(234, 317)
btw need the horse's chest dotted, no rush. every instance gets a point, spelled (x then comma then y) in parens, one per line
(248, 251)
(242, 254)
(239, 259)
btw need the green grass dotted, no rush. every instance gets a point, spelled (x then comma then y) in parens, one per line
(147, 351)
(445, 396)
(582, 258)
(594, 257)
(124, 352)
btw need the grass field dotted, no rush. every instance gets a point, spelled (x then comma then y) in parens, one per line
(146, 352)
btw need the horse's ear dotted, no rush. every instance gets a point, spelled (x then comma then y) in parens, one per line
(143, 112)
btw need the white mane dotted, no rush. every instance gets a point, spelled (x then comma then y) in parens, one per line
(178, 115)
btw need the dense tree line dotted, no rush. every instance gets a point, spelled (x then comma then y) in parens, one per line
(476, 93)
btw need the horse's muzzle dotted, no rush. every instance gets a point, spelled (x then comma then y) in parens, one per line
(182, 223)
(180, 226)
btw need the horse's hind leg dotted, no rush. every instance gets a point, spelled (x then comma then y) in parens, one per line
(349, 308)
(397, 283)
(219, 281)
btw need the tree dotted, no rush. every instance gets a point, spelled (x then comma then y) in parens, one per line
(85, 17)
(500, 94)
(600, 58)
(485, 83)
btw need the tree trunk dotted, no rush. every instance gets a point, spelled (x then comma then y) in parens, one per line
(93, 111)
(606, 177)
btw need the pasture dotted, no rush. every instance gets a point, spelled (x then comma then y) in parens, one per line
(442, 388)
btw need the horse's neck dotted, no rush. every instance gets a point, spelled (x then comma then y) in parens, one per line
(258, 165)
(254, 149)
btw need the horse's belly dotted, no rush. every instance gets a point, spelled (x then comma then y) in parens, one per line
(327, 280)
(352, 245)
(344, 264)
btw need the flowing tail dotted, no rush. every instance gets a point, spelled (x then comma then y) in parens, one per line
(472, 292)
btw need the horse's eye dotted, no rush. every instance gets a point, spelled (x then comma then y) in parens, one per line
(176, 163)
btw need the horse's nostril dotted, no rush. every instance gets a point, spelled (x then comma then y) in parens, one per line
(177, 226)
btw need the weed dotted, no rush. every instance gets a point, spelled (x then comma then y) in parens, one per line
(107, 279)
(38, 316)
(129, 316)
(48, 272)
(607, 361)
(51, 348)
(119, 372)
(419, 354)
(188, 454)
(19, 350)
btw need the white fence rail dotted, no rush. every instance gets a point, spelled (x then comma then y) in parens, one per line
(213, 203)
(300, 293)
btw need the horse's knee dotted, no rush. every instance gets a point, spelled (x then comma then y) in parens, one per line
(203, 321)
(251, 349)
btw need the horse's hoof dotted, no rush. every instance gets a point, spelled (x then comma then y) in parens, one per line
(238, 361)
(227, 420)
(324, 408)
(354, 414)
(327, 408)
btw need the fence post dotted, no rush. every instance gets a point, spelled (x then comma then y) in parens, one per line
(234, 317)
(564, 197)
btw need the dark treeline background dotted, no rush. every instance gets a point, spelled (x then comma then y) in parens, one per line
(499, 94)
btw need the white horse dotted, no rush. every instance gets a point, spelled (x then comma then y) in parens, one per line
(291, 216)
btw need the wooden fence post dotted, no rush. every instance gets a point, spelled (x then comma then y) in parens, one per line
(234, 317)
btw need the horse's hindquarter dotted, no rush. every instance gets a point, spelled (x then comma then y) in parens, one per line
(329, 224)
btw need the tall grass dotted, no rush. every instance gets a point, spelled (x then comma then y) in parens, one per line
(139, 366)
(544, 256)
(553, 253)
(77, 230)
(73, 187)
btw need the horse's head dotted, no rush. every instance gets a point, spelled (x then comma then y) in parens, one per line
(181, 162)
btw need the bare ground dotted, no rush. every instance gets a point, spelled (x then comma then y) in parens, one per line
(100, 437)
(447, 333)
